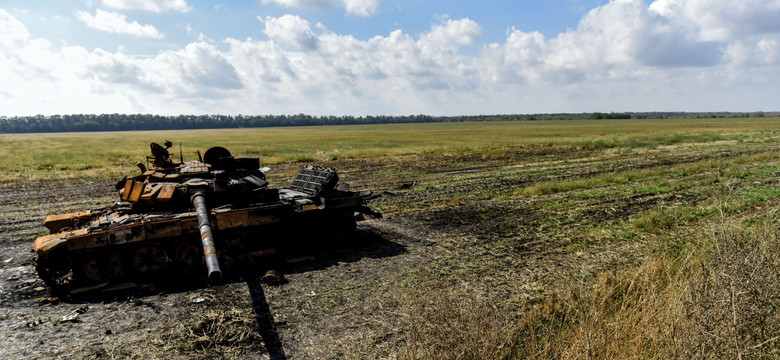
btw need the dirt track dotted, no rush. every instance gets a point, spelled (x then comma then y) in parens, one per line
(345, 302)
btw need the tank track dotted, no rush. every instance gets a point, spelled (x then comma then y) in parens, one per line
(175, 260)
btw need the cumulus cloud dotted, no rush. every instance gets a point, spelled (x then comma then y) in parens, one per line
(723, 20)
(319, 4)
(190, 72)
(290, 29)
(361, 7)
(117, 24)
(626, 31)
(38, 79)
(21, 56)
(356, 7)
(149, 5)
(199, 65)
(451, 35)
(625, 55)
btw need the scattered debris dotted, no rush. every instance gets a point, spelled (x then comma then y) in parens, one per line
(34, 323)
(26, 284)
(49, 300)
(73, 315)
(140, 302)
(273, 277)
(406, 186)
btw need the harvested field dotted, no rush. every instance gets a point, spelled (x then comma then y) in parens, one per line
(472, 246)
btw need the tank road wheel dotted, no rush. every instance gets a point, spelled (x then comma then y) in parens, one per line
(55, 269)
(148, 259)
(188, 254)
(102, 265)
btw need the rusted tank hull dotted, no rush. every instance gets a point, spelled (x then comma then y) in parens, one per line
(150, 248)
(191, 219)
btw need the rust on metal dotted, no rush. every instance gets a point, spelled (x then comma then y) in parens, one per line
(198, 199)
(151, 191)
(57, 223)
(47, 243)
(166, 192)
(125, 192)
(136, 191)
(232, 220)
(168, 217)
(273, 277)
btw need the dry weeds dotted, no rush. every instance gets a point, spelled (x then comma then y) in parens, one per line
(718, 299)
(455, 322)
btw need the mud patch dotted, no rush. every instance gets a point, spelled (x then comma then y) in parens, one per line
(486, 220)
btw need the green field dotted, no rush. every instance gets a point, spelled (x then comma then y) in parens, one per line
(589, 239)
(110, 154)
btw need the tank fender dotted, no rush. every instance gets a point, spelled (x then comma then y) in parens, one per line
(55, 223)
(47, 243)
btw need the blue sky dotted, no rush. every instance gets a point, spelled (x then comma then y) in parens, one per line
(238, 19)
(358, 57)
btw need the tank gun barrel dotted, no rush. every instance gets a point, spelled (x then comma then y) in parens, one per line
(198, 198)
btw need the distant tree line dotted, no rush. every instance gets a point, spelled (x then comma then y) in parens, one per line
(128, 122)
(598, 115)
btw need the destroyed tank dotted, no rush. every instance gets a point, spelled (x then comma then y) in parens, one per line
(182, 220)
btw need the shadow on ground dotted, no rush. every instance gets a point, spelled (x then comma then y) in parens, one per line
(368, 242)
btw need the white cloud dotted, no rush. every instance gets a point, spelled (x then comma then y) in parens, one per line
(625, 32)
(361, 7)
(356, 7)
(321, 4)
(195, 71)
(622, 56)
(21, 56)
(117, 24)
(290, 29)
(451, 35)
(38, 79)
(723, 20)
(149, 5)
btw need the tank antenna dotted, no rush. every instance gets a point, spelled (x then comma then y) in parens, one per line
(181, 155)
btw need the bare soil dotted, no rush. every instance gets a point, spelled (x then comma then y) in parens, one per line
(447, 220)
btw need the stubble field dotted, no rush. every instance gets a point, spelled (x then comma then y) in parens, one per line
(563, 239)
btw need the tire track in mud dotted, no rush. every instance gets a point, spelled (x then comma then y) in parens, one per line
(24, 205)
(497, 178)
